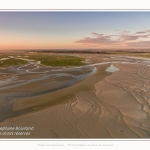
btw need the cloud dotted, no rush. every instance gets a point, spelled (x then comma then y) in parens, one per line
(144, 44)
(133, 37)
(143, 32)
(140, 32)
(96, 39)
(124, 38)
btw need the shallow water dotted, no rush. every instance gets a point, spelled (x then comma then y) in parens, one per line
(24, 79)
(112, 68)
(116, 106)
(34, 79)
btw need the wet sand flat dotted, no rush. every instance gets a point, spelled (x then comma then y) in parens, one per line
(104, 105)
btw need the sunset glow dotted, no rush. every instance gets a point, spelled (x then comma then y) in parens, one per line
(74, 30)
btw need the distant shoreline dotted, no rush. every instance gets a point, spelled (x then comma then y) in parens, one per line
(101, 51)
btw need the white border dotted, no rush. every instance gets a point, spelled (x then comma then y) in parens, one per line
(79, 144)
(75, 4)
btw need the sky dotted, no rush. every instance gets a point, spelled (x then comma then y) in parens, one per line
(74, 30)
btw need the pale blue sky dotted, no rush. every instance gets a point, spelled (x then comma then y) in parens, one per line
(61, 29)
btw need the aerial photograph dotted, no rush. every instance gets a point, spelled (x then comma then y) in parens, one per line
(75, 74)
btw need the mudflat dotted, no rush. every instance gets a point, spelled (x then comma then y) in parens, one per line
(107, 98)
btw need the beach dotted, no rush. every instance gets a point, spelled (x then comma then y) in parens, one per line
(107, 98)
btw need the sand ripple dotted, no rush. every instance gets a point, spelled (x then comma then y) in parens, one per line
(106, 105)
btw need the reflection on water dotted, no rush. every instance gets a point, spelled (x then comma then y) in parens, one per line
(112, 68)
